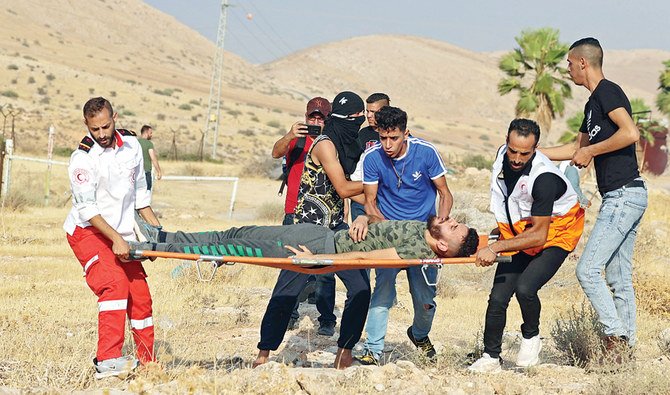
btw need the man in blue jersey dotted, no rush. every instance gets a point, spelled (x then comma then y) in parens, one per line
(401, 178)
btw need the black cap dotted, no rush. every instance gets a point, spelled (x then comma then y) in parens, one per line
(347, 103)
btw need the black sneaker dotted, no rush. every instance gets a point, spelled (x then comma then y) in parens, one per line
(368, 359)
(326, 329)
(422, 344)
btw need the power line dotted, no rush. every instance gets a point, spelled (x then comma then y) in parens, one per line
(249, 53)
(272, 52)
(275, 36)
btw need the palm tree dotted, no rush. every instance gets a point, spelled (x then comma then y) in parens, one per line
(533, 70)
(663, 98)
(642, 117)
(574, 123)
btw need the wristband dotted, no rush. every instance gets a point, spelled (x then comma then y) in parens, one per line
(491, 249)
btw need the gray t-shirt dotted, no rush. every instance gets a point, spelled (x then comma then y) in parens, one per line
(407, 237)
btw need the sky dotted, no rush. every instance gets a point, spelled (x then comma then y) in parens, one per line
(263, 30)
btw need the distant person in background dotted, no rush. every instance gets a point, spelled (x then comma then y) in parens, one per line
(293, 147)
(367, 137)
(149, 154)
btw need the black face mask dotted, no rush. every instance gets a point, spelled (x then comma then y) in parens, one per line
(357, 120)
(343, 132)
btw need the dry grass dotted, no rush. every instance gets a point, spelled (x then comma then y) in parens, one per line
(207, 332)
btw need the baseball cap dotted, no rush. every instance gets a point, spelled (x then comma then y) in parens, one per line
(320, 105)
(347, 103)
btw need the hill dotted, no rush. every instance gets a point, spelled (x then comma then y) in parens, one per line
(156, 70)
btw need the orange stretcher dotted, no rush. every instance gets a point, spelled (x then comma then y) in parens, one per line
(308, 265)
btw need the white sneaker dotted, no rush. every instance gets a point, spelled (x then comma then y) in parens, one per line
(114, 366)
(529, 352)
(486, 364)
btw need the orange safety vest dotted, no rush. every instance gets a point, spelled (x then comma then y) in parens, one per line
(567, 217)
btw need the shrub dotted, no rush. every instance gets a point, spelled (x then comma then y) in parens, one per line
(164, 92)
(270, 212)
(50, 77)
(273, 124)
(577, 335)
(41, 91)
(12, 67)
(160, 117)
(484, 137)
(246, 132)
(636, 381)
(17, 201)
(192, 170)
(31, 80)
(9, 93)
(477, 161)
(262, 165)
(185, 107)
(653, 294)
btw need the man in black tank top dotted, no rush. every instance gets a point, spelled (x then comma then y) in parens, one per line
(608, 136)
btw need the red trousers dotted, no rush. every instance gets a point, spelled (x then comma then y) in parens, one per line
(121, 288)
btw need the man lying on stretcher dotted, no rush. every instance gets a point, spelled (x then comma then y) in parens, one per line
(441, 237)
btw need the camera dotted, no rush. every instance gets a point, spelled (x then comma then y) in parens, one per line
(312, 130)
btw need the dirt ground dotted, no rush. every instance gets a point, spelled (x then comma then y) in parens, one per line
(207, 332)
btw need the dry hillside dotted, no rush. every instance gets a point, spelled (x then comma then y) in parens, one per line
(155, 70)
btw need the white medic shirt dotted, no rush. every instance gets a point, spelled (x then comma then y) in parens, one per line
(109, 182)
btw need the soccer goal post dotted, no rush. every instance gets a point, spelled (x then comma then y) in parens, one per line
(234, 180)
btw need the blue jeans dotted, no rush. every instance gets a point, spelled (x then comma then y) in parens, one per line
(423, 299)
(610, 248)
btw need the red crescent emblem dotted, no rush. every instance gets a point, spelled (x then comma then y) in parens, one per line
(80, 176)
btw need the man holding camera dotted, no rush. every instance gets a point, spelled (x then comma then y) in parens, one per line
(293, 147)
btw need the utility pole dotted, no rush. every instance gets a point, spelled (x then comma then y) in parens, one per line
(214, 106)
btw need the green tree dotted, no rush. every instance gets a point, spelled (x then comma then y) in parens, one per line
(533, 70)
(642, 118)
(663, 98)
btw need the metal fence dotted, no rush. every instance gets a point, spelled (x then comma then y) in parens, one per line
(7, 169)
(9, 157)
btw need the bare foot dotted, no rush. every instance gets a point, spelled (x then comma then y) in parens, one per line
(343, 358)
(263, 356)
